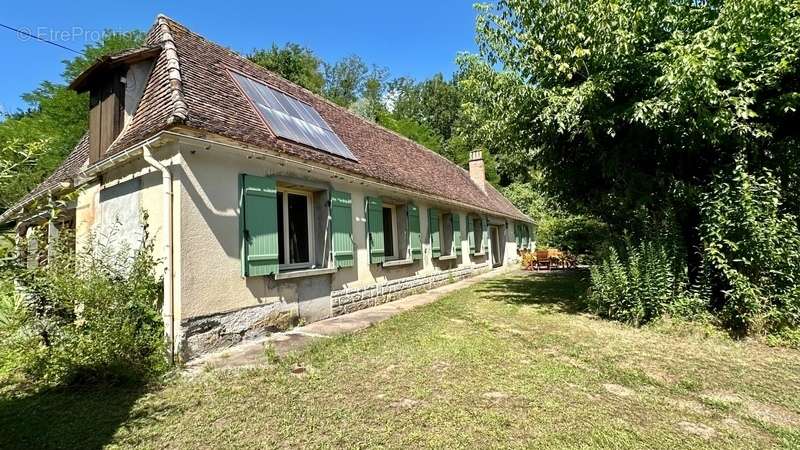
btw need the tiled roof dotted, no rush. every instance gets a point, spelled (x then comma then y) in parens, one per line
(191, 86)
(214, 104)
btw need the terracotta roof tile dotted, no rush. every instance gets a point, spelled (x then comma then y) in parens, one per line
(202, 95)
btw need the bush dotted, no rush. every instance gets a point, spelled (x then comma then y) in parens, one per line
(640, 288)
(750, 273)
(752, 249)
(84, 318)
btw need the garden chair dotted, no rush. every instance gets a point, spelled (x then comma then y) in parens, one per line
(542, 259)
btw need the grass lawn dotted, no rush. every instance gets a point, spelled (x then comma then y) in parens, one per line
(510, 362)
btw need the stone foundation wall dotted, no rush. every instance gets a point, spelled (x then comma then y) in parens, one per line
(204, 334)
(348, 300)
(208, 333)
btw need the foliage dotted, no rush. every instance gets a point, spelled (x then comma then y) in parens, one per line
(294, 62)
(19, 168)
(629, 109)
(752, 247)
(82, 318)
(631, 106)
(639, 288)
(434, 102)
(110, 43)
(487, 97)
(415, 131)
(55, 120)
(750, 264)
(347, 80)
(577, 234)
(444, 370)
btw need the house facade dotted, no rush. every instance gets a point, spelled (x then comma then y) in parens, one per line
(266, 203)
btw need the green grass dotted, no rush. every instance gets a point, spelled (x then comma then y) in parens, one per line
(510, 362)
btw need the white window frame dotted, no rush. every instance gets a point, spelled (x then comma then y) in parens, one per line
(393, 219)
(283, 265)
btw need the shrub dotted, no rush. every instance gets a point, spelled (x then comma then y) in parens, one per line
(751, 246)
(85, 317)
(640, 288)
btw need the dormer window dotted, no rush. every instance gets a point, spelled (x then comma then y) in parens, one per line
(106, 113)
(115, 85)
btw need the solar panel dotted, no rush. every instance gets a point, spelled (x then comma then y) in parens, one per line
(292, 119)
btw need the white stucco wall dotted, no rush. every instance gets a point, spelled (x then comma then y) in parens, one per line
(206, 245)
(110, 211)
(210, 252)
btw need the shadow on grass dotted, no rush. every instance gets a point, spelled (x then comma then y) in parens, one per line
(85, 418)
(551, 291)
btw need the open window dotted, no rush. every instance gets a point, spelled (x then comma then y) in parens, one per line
(295, 228)
(476, 231)
(393, 232)
(284, 227)
(447, 234)
(391, 248)
(450, 227)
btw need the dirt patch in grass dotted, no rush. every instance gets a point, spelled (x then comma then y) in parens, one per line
(619, 391)
(773, 414)
(697, 429)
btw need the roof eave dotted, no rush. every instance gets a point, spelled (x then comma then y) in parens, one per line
(14, 213)
(102, 65)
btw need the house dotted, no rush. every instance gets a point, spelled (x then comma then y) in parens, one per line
(266, 202)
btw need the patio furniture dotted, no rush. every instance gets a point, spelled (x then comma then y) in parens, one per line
(543, 259)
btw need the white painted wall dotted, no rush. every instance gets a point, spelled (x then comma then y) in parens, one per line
(206, 231)
(210, 240)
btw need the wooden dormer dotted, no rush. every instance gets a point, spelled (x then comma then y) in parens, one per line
(115, 85)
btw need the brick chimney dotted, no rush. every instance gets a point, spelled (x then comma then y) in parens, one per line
(476, 169)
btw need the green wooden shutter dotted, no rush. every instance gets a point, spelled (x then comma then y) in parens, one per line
(456, 218)
(414, 240)
(471, 235)
(485, 229)
(374, 210)
(342, 229)
(528, 236)
(433, 232)
(518, 235)
(524, 235)
(259, 225)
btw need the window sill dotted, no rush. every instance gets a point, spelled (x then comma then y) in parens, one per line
(447, 257)
(398, 262)
(479, 254)
(304, 273)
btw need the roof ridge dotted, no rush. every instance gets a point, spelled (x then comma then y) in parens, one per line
(164, 20)
(179, 109)
(321, 97)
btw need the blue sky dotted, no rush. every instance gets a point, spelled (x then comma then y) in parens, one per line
(413, 38)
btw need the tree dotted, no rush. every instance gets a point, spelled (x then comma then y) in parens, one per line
(347, 80)
(18, 163)
(294, 62)
(54, 121)
(434, 102)
(631, 106)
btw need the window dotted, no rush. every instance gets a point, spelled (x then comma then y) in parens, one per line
(447, 234)
(451, 234)
(477, 232)
(390, 246)
(295, 230)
